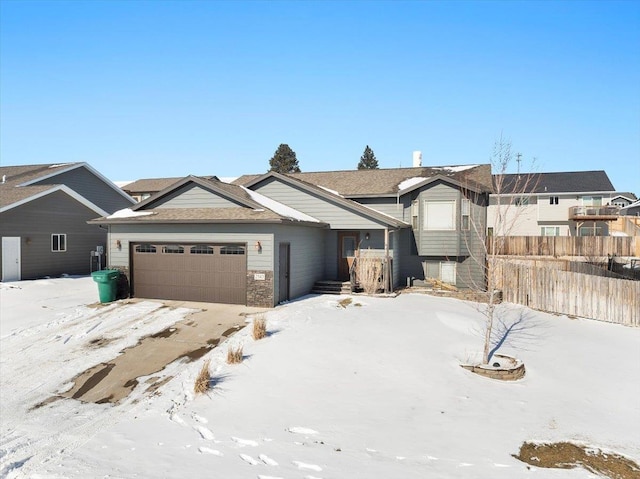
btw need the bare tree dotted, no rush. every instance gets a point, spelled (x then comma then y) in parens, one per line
(507, 204)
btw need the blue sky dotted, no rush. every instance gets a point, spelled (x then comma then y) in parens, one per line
(162, 88)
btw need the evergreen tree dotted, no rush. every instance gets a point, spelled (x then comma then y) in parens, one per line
(284, 160)
(368, 160)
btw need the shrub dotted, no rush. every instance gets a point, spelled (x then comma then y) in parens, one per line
(203, 381)
(259, 328)
(369, 274)
(234, 355)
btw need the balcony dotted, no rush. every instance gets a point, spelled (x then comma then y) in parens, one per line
(594, 213)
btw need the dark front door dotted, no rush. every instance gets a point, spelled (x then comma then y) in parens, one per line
(283, 275)
(347, 246)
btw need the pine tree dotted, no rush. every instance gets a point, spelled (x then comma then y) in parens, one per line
(368, 160)
(284, 160)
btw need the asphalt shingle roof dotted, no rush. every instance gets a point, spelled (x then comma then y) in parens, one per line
(562, 182)
(380, 182)
(153, 185)
(10, 190)
(198, 215)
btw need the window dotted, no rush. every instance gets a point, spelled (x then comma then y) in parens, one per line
(439, 215)
(58, 242)
(414, 214)
(550, 231)
(232, 249)
(522, 201)
(448, 272)
(592, 201)
(201, 249)
(172, 249)
(590, 231)
(145, 248)
(466, 209)
(553, 200)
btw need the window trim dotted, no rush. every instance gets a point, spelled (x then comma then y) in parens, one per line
(425, 215)
(59, 236)
(465, 214)
(544, 228)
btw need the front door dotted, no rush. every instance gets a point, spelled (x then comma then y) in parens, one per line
(11, 258)
(283, 273)
(347, 246)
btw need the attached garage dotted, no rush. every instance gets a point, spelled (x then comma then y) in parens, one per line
(207, 272)
(207, 241)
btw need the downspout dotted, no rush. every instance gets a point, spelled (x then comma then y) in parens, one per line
(386, 260)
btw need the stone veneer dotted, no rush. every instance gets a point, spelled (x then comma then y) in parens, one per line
(512, 371)
(260, 292)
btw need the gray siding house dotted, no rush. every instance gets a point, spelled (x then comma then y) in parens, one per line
(268, 238)
(44, 211)
(439, 213)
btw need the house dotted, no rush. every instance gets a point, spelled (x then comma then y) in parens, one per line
(577, 203)
(632, 209)
(43, 218)
(623, 199)
(268, 238)
(142, 189)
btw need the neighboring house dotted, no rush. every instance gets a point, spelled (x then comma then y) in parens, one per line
(632, 209)
(623, 199)
(268, 238)
(577, 203)
(44, 211)
(142, 189)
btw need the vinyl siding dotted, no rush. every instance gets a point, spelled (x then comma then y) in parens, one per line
(307, 261)
(324, 210)
(394, 207)
(433, 242)
(87, 184)
(260, 260)
(35, 221)
(194, 196)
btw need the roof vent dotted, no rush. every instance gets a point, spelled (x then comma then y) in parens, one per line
(417, 159)
(4, 179)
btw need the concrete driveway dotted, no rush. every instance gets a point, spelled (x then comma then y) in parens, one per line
(190, 338)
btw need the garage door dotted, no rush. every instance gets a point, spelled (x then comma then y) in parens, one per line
(215, 273)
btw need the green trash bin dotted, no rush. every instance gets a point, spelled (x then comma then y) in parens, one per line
(107, 280)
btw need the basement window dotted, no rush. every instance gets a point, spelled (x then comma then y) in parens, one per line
(58, 242)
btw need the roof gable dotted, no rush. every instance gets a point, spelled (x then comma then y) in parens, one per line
(231, 193)
(23, 183)
(327, 195)
(244, 206)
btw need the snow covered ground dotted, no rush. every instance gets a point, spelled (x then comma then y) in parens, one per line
(373, 390)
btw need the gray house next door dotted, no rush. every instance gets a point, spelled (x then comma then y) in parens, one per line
(284, 272)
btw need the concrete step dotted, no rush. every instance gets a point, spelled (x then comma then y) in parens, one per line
(331, 287)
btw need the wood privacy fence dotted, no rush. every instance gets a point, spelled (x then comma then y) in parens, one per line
(550, 289)
(589, 246)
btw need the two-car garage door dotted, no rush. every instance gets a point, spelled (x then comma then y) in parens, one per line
(215, 273)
